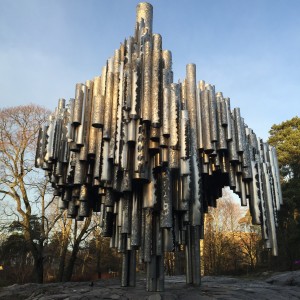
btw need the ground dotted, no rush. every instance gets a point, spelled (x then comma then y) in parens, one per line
(277, 286)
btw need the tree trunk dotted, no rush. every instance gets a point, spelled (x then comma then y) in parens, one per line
(38, 266)
(63, 251)
(98, 258)
(39, 269)
(36, 251)
(62, 262)
(70, 266)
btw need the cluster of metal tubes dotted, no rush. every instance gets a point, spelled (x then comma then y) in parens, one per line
(151, 156)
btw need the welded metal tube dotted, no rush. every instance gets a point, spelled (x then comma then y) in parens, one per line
(144, 13)
(108, 100)
(98, 101)
(147, 84)
(156, 69)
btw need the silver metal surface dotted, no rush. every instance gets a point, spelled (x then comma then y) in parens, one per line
(174, 116)
(77, 114)
(86, 127)
(156, 70)
(108, 100)
(222, 143)
(213, 115)
(199, 117)
(205, 121)
(166, 112)
(80, 127)
(115, 103)
(144, 12)
(166, 201)
(147, 82)
(150, 156)
(98, 102)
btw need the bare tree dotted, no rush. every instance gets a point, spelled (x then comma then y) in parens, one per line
(221, 247)
(68, 238)
(80, 233)
(228, 246)
(20, 183)
(102, 259)
(250, 242)
(65, 226)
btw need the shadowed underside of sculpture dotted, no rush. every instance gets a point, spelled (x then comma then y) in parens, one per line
(151, 156)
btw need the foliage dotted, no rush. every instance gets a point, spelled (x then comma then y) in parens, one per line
(286, 138)
(15, 256)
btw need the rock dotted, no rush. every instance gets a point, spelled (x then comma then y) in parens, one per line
(154, 297)
(285, 279)
(279, 286)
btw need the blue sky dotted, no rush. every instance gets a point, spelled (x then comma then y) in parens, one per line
(248, 49)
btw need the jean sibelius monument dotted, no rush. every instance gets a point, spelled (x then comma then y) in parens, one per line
(151, 156)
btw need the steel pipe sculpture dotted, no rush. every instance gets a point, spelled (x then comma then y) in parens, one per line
(151, 156)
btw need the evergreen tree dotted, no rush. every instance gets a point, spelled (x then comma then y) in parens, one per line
(286, 138)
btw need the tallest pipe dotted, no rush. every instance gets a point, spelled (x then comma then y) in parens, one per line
(144, 11)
